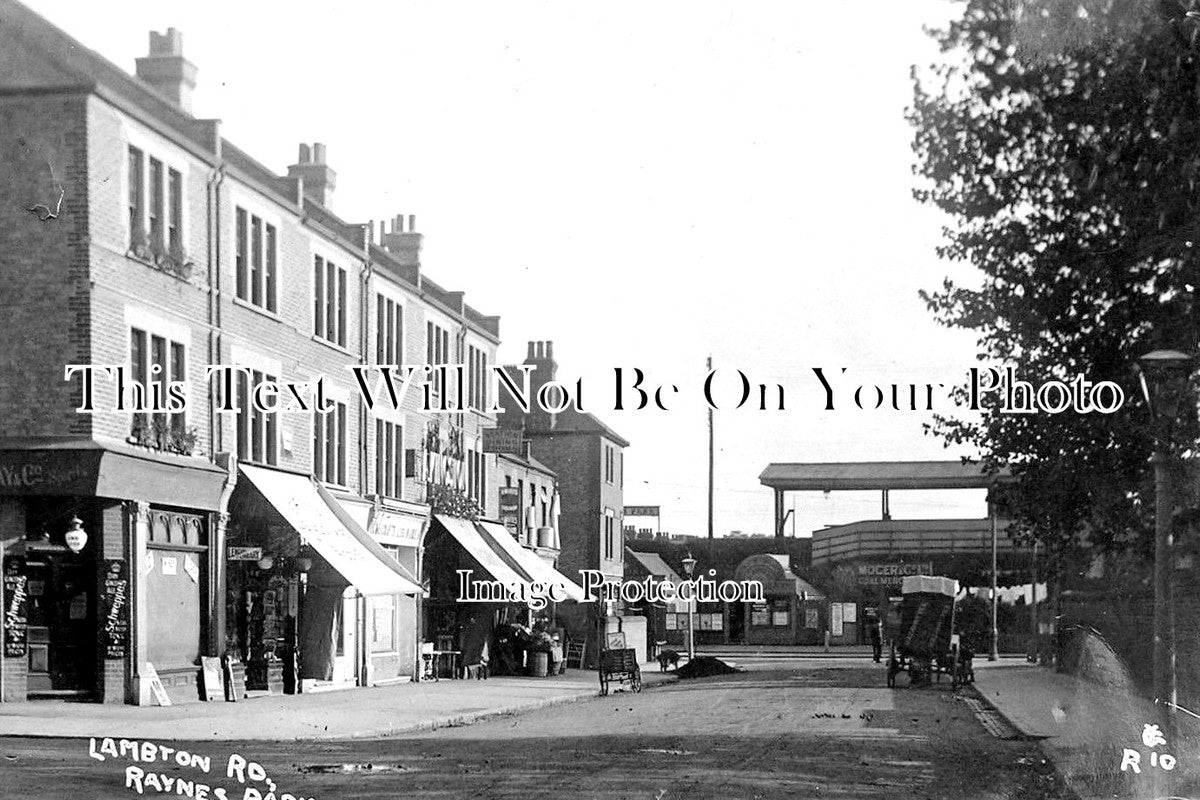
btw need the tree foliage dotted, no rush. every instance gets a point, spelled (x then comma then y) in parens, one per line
(1062, 139)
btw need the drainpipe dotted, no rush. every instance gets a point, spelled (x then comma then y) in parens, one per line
(217, 522)
(213, 247)
(363, 345)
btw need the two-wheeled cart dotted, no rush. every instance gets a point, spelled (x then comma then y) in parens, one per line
(620, 666)
(924, 645)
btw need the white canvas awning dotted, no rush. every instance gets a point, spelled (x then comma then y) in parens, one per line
(473, 542)
(914, 584)
(531, 562)
(325, 526)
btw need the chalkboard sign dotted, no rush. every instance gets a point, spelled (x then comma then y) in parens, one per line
(16, 621)
(114, 605)
(210, 675)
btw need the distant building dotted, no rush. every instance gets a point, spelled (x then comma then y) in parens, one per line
(588, 457)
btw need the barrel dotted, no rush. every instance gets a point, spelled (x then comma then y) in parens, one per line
(539, 664)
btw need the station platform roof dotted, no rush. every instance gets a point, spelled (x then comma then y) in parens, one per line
(874, 475)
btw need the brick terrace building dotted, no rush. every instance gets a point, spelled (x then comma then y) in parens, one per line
(140, 237)
(588, 458)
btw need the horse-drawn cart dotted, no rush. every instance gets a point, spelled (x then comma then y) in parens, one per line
(924, 645)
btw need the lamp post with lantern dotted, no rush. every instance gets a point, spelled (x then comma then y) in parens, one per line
(1164, 376)
(689, 566)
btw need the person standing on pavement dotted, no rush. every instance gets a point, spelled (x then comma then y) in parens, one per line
(876, 639)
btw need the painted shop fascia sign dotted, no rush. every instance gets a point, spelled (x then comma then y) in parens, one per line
(397, 529)
(25, 472)
(891, 573)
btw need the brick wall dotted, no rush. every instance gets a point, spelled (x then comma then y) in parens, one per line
(44, 263)
(575, 458)
(126, 288)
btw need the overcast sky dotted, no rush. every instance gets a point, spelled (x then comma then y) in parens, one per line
(645, 184)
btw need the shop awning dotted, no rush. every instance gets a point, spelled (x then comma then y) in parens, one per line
(653, 563)
(326, 527)
(530, 561)
(86, 468)
(488, 556)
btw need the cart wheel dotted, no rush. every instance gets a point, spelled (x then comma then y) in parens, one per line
(637, 679)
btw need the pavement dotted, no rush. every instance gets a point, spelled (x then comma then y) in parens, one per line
(1085, 726)
(352, 713)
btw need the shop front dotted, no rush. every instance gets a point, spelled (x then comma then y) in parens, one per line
(471, 617)
(393, 622)
(791, 609)
(305, 583)
(110, 581)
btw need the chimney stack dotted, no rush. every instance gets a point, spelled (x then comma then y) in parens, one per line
(166, 70)
(319, 179)
(541, 356)
(404, 245)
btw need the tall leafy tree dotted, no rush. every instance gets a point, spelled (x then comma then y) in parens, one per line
(1062, 139)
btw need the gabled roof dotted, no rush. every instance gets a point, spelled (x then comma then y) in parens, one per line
(530, 462)
(572, 421)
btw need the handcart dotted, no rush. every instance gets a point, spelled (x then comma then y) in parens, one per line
(620, 665)
(924, 646)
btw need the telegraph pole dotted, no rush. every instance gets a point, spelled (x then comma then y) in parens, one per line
(710, 463)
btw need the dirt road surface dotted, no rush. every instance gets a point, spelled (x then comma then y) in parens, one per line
(773, 732)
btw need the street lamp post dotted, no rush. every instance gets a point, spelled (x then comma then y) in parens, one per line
(689, 566)
(1164, 377)
(994, 650)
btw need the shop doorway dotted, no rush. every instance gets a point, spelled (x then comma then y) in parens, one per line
(345, 666)
(737, 622)
(62, 623)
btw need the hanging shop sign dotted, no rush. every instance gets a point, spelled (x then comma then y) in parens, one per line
(245, 553)
(510, 509)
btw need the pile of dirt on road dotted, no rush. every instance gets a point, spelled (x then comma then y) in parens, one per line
(704, 666)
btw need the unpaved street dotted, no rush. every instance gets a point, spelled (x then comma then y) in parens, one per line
(777, 731)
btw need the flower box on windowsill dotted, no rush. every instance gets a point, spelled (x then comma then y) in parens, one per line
(174, 264)
(157, 436)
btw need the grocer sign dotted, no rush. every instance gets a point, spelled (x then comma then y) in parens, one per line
(891, 572)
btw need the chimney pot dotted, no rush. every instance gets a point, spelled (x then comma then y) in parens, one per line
(549, 349)
(412, 223)
(166, 70)
(319, 179)
(529, 355)
(398, 224)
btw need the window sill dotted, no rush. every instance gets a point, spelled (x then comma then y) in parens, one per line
(180, 268)
(246, 304)
(333, 345)
(259, 462)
